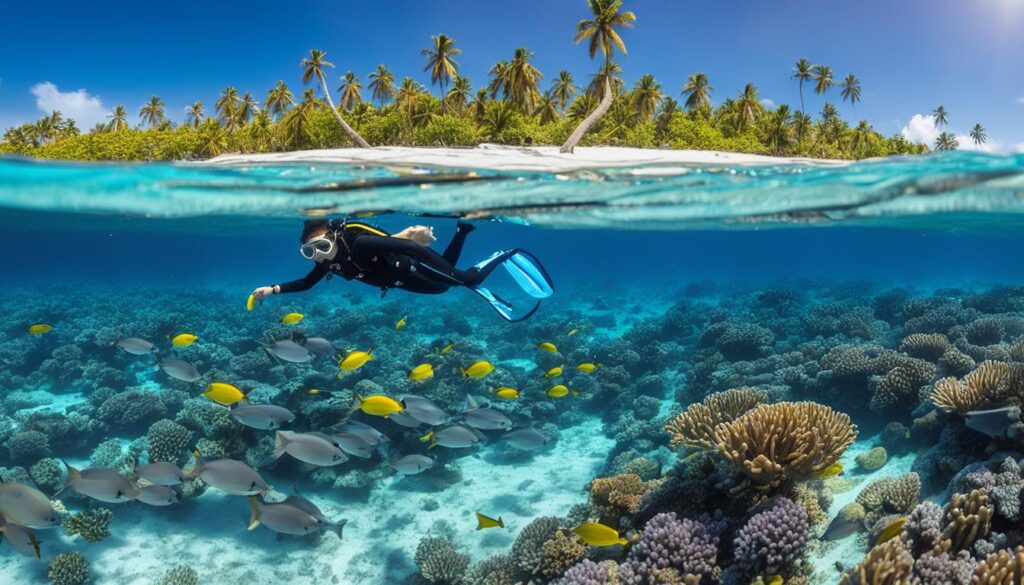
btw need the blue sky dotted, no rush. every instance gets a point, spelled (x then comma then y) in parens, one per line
(910, 55)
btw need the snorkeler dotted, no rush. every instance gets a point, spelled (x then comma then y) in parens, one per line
(357, 251)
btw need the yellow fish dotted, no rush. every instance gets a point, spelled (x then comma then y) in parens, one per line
(483, 522)
(447, 349)
(312, 392)
(377, 405)
(596, 534)
(560, 390)
(555, 371)
(291, 318)
(890, 531)
(774, 580)
(507, 393)
(547, 346)
(422, 372)
(401, 323)
(478, 369)
(830, 471)
(184, 339)
(223, 393)
(586, 368)
(355, 360)
(39, 329)
(574, 331)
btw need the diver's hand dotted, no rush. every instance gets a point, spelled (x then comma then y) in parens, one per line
(421, 234)
(263, 291)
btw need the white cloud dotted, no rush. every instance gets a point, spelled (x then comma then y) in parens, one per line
(967, 143)
(1019, 147)
(768, 102)
(86, 110)
(1020, 100)
(921, 129)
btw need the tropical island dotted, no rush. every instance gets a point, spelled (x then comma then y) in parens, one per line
(513, 107)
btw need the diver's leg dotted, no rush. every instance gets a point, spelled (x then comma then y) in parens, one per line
(454, 249)
(368, 244)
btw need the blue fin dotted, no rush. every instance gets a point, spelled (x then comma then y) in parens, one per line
(529, 274)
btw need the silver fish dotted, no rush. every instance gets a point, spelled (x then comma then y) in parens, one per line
(368, 433)
(179, 369)
(310, 448)
(412, 464)
(22, 540)
(404, 419)
(423, 410)
(839, 528)
(528, 439)
(289, 351)
(290, 517)
(353, 444)
(26, 506)
(135, 346)
(158, 495)
(487, 419)
(265, 417)
(318, 346)
(229, 475)
(161, 473)
(455, 437)
(105, 485)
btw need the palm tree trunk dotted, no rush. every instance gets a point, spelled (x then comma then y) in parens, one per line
(348, 129)
(577, 134)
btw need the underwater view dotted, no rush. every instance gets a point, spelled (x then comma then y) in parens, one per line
(713, 386)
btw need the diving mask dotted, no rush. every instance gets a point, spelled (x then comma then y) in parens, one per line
(317, 248)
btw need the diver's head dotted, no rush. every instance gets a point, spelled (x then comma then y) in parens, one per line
(318, 240)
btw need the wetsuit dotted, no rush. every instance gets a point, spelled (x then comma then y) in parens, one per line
(371, 256)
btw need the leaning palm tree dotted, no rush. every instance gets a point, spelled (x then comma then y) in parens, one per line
(459, 95)
(698, 91)
(350, 89)
(611, 72)
(646, 95)
(523, 80)
(279, 99)
(850, 89)
(823, 78)
(747, 106)
(940, 116)
(562, 89)
(978, 135)
(382, 84)
(194, 114)
(946, 141)
(227, 105)
(118, 119)
(441, 61)
(313, 69)
(600, 31)
(153, 112)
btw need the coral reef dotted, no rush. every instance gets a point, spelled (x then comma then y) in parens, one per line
(92, 526)
(773, 538)
(696, 426)
(439, 561)
(69, 569)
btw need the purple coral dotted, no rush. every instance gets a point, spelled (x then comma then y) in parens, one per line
(773, 538)
(587, 572)
(689, 547)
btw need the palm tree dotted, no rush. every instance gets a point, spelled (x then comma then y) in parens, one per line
(746, 107)
(499, 80)
(479, 106)
(313, 69)
(279, 99)
(260, 129)
(409, 96)
(459, 95)
(861, 136)
(646, 95)
(118, 119)
(382, 84)
(153, 112)
(295, 123)
(978, 135)
(498, 116)
(668, 109)
(851, 89)
(779, 129)
(440, 61)
(600, 31)
(823, 78)
(698, 91)
(350, 91)
(581, 107)
(610, 71)
(941, 116)
(946, 141)
(247, 107)
(194, 114)
(829, 112)
(213, 139)
(227, 105)
(523, 80)
(547, 111)
(802, 72)
(801, 123)
(562, 89)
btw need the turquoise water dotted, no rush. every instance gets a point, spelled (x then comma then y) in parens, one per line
(678, 281)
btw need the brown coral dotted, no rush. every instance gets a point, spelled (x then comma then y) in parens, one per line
(624, 492)
(899, 385)
(1016, 351)
(992, 384)
(928, 346)
(890, 495)
(774, 443)
(696, 425)
(559, 553)
(1002, 568)
(886, 564)
(968, 518)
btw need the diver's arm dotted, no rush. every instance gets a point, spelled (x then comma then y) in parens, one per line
(421, 234)
(315, 275)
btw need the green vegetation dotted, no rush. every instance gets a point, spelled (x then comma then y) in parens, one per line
(510, 108)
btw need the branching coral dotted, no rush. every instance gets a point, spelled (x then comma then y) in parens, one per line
(696, 425)
(1002, 568)
(527, 550)
(928, 346)
(672, 548)
(182, 575)
(890, 495)
(899, 386)
(886, 564)
(92, 526)
(623, 492)
(168, 441)
(992, 384)
(968, 518)
(69, 568)
(773, 538)
(775, 443)
(559, 553)
(439, 561)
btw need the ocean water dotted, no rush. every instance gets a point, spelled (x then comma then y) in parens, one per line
(679, 282)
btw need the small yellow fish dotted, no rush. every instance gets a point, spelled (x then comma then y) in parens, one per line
(39, 329)
(507, 393)
(890, 531)
(574, 331)
(560, 390)
(596, 534)
(223, 393)
(774, 580)
(250, 302)
(447, 348)
(478, 369)
(555, 371)
(291, 318)
(483, 522)
(184, 339)
(830, 471)
(587, 368)
(401, 323)
(422, 372)
(355, 360)
(547, 346)
(312, 392)
(377, 405)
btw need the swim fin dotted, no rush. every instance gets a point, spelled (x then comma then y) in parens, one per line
(527, 272)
